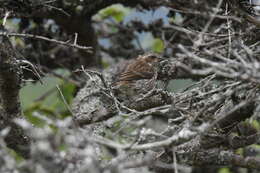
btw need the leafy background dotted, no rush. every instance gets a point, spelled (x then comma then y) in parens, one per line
(46, 99)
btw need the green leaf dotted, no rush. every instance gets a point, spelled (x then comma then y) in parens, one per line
(40, 110)
(158, 45)
(256, 124)
(31, 93)
(68, 90)
(46, 99)
(118, 12)
(224, 170)
(18, 158)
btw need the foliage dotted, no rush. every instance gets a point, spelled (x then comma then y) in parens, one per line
(117, 12)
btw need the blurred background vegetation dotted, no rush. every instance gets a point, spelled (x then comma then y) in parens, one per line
(48, 97)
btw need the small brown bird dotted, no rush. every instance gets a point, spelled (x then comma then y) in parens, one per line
(143, 67)
(138, 76)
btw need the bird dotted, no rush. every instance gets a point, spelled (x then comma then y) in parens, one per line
(143, 67)
(138, 77)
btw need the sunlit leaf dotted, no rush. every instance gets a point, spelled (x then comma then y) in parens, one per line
(240, 151)
(118, 12)
(158, 45)
(224, 170)
(256, 124)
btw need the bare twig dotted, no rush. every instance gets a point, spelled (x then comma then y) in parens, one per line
(88, 49)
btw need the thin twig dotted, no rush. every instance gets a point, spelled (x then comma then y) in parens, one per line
(88, 49)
